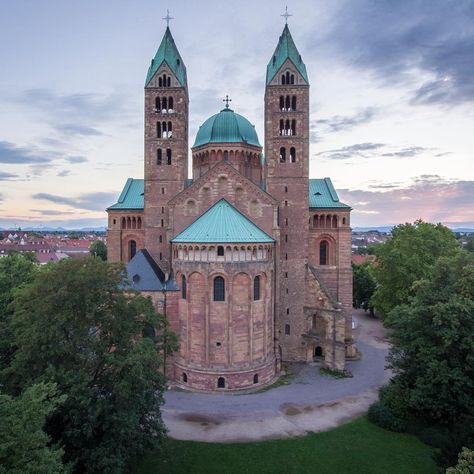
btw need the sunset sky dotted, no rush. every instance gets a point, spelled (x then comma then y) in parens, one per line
(392, 98)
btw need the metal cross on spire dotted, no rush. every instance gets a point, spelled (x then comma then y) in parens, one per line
(168, 18)
(286, 15)
(226, 100)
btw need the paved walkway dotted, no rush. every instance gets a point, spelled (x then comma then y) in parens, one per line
(312, 402)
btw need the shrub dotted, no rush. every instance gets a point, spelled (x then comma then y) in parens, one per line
(382, 415)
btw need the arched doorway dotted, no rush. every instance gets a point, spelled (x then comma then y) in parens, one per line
(318, 352)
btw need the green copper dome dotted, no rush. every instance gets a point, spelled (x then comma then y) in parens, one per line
(226, 127)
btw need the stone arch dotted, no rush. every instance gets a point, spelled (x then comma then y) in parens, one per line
(254, 208)
(222, 185)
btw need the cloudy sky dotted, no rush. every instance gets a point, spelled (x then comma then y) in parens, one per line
(392, 98)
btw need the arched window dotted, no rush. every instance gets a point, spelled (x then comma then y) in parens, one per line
(292, 154)
(164, 80)
(226, 155)
(170, 103)
(287, 77)
(170, 129)
(255, 378)
(293, 127)
(256, 288)
(149, 331)
(293, 103)
(282, 127)
(133, 248)
(282, 154)
(158, 156)
(344, 221)
(283, 79)
(292, 79)
(160, 82)
(139, 223)
(164, 104)
(334, 221)
(287, 329)
(323, 252)
(168, 156)
(185, 377)
(183, 287)
(282, 103)
(219, 289)
(157, 104)
(168, 82)
(123, 224)
(158, 129)
(129, 223)
(287, 127)
(221, 382)
(287, 103)
(220, 251)
(318, 351)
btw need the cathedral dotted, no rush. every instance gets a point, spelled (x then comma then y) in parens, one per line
(250, 259)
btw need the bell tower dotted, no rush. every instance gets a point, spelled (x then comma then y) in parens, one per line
(287, 158)
(166, 143)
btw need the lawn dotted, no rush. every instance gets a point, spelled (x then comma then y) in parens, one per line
(358, 447)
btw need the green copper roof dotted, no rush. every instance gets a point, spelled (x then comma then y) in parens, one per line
(222, 223)
(286, 49)
(132, 195)
(168, 52)
(226, 127)
(323, 195)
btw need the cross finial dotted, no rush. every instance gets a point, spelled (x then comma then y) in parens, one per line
(226, 100)
(168, 18)
(286, 15)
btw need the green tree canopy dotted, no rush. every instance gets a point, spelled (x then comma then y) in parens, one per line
(98, 249)
(408, 256)
(432, 339)
(24, 446)
(465, 463)
(364, 285)
(75, 327)
(16, 269)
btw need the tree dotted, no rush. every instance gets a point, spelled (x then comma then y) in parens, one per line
(465, 463)
(75, 327)
(16, 269)
(408, 256)
(364, 285)
(432, 340)
(98, 249)
(24, 446)
(470, 243)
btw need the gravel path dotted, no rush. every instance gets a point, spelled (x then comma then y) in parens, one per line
(312, 402)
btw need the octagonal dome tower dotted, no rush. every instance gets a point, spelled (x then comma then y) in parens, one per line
(228, 136)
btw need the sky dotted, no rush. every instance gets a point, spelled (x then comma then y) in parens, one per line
(392, 98)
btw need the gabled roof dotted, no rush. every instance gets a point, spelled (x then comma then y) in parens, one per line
(132, 195)
(286, 49)
(144, 274)
(222, 223)
(323, 195)
(168, 52)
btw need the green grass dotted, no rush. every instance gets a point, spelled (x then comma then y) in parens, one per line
(358, 447)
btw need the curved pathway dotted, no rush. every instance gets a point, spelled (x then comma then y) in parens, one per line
(312, 402)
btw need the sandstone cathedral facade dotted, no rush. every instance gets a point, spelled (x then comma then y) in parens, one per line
(250, 260)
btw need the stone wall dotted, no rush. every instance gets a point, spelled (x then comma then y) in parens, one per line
(231, 338)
